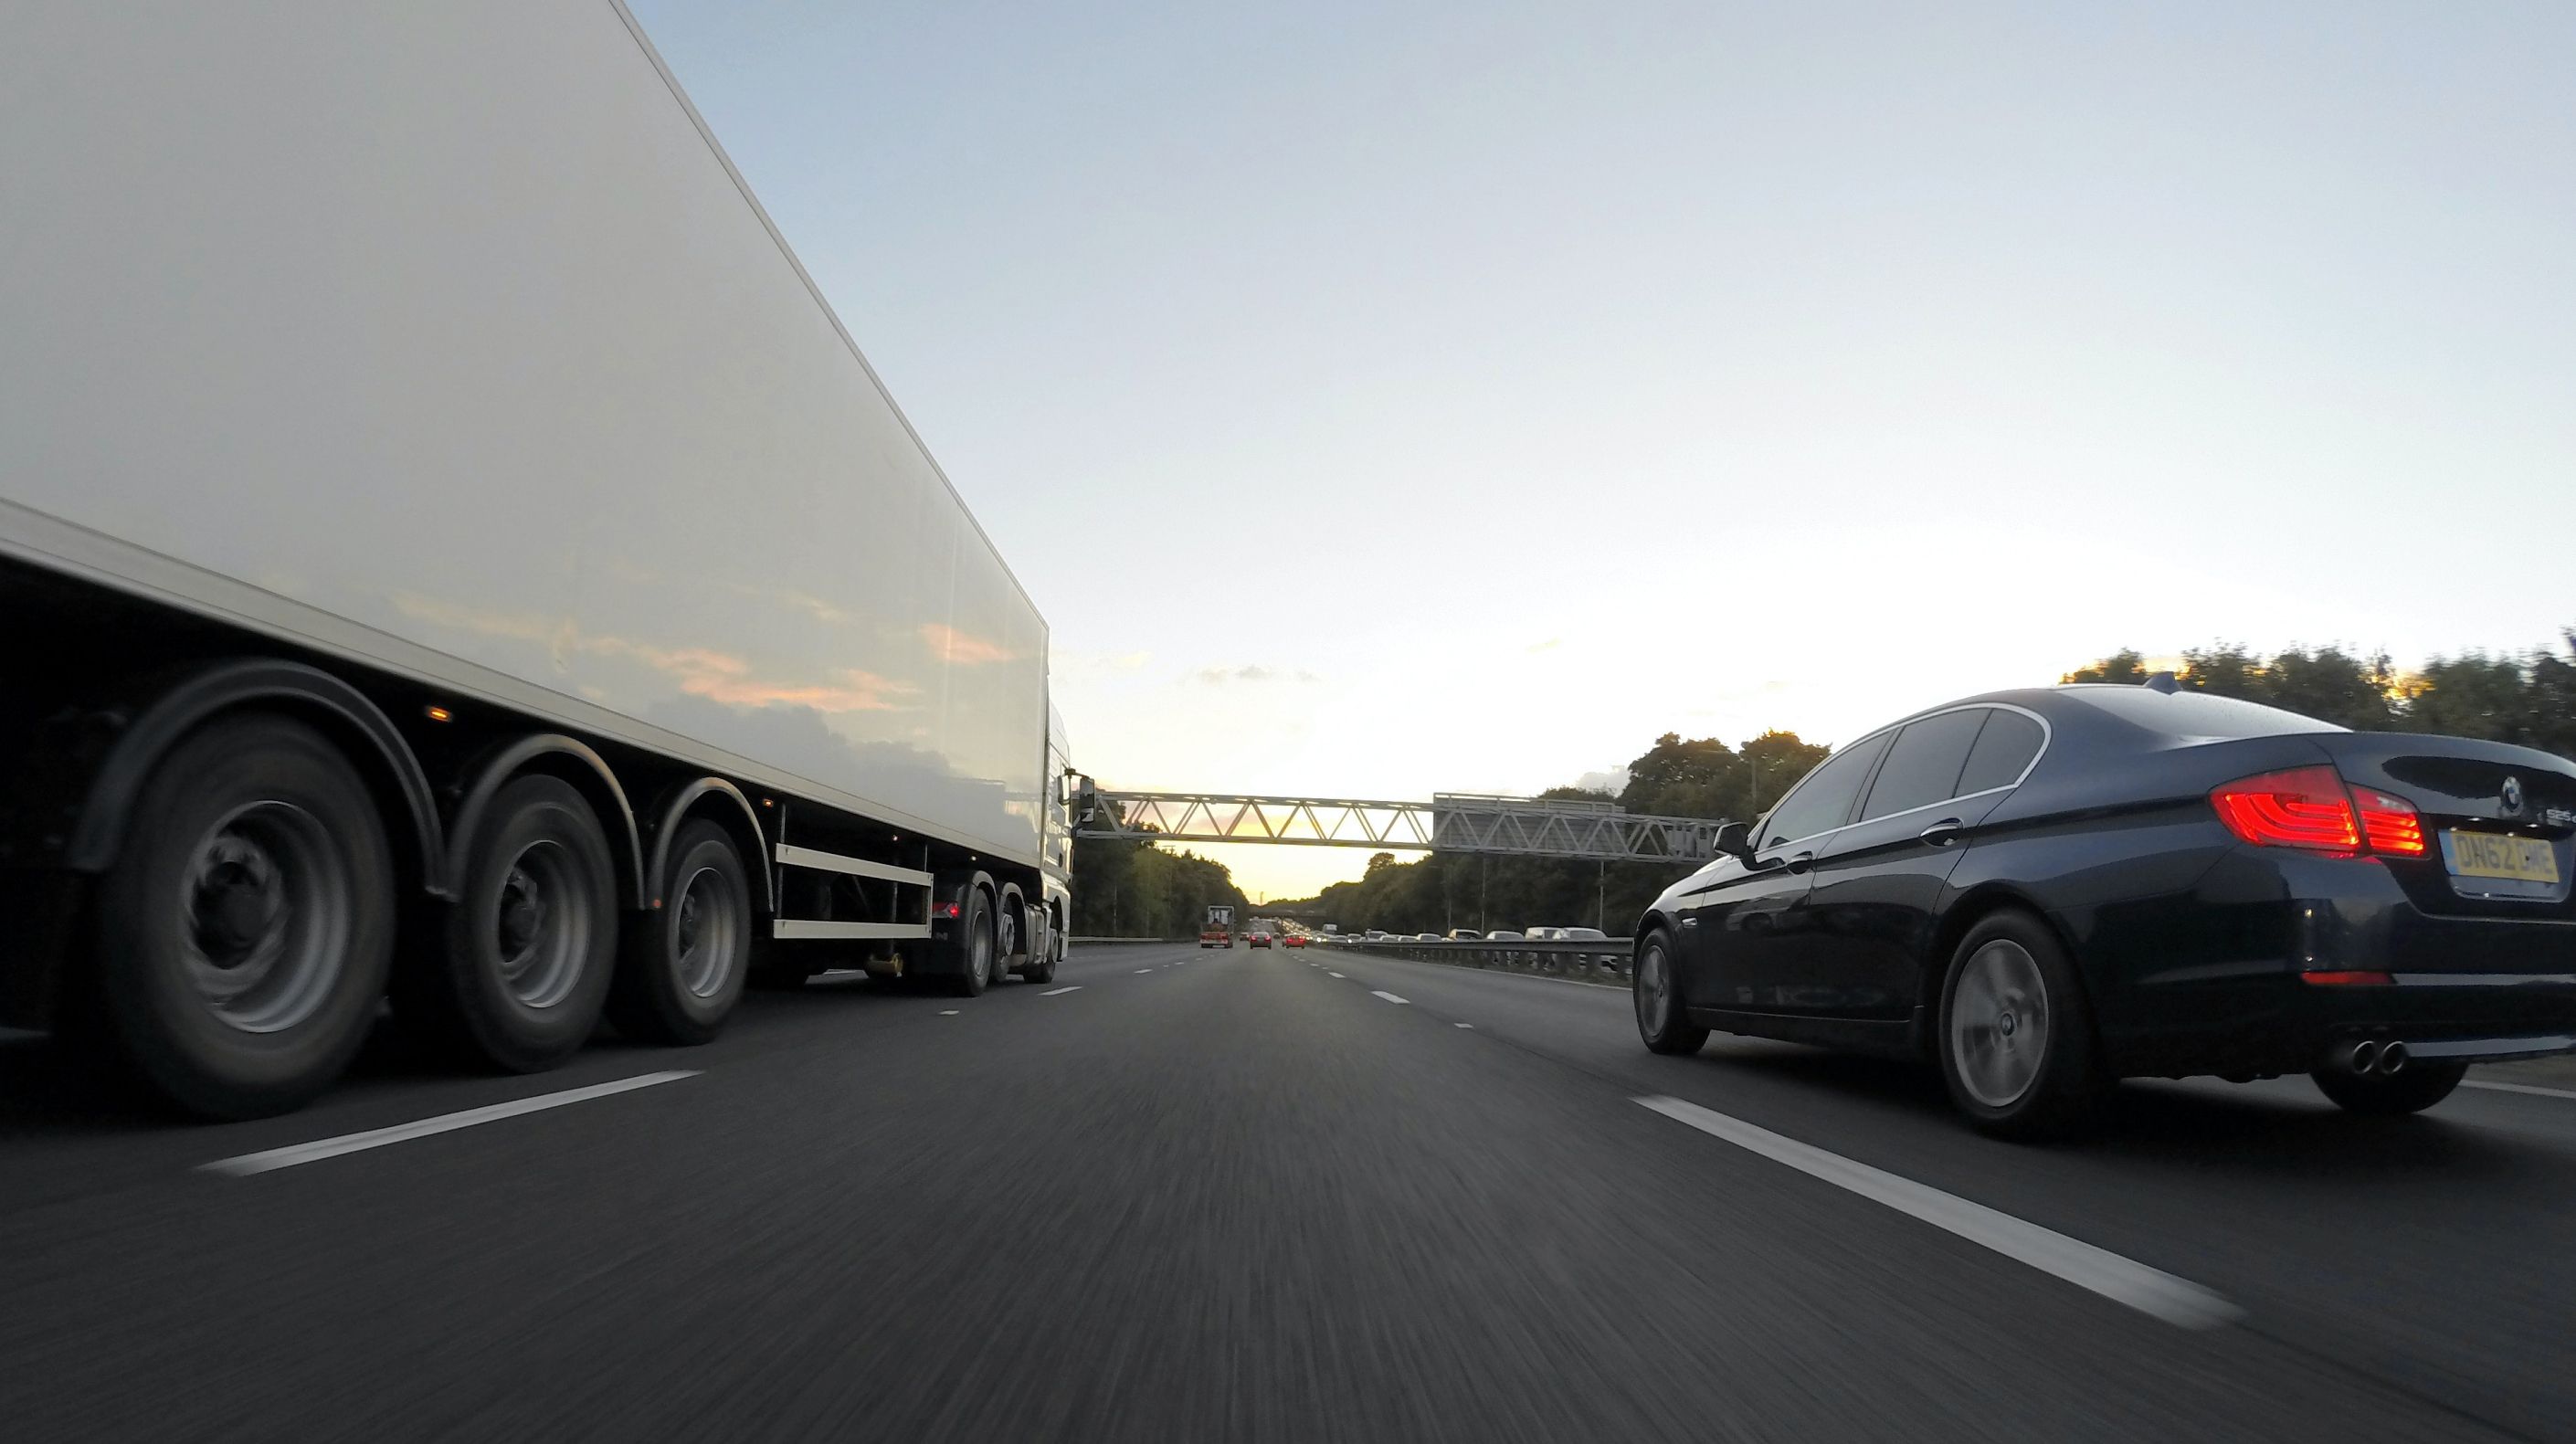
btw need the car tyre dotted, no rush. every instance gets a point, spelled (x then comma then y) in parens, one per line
(251, 995)
(2017, 1047)
(1662, 1020)
(686, 961)
(2380, 1095)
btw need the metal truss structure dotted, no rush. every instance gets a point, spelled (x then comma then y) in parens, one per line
(1450, 822)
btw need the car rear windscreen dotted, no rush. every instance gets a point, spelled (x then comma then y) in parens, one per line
(2196, 715)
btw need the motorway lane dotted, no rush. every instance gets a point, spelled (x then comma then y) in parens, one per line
(1225, 1196)
(2437, 1253)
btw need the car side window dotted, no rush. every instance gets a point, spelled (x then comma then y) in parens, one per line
(2003, 752)
(1923, 763)
(1824, 800)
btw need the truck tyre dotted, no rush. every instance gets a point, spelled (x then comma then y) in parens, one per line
(685, 962)
(2016, 1033)
(975, 946)
(245, 930)
(531, 939)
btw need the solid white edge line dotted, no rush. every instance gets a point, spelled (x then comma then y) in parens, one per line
(1390, 997)
(2532, 1089)
(321, 1148)
(2121, 1280)
(1068, 988)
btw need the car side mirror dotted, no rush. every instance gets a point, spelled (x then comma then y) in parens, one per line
(1735, 839)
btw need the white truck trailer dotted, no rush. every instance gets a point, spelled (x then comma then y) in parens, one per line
(449, 548)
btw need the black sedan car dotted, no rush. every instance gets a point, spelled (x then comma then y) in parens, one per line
(2045, 891)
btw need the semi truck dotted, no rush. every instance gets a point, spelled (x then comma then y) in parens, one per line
(452, 555)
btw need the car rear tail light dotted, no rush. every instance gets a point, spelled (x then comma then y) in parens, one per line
(2311, 808)
(2304, 807)
(2359, 979)
(2389, 824)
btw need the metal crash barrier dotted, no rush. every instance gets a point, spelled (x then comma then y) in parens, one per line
(1580, 959)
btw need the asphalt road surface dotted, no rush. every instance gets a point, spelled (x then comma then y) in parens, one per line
(1213, 1195)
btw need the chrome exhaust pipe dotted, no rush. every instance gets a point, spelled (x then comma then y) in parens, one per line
(2363, 1056)
(2392, 1058)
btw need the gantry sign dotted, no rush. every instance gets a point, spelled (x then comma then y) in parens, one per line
(1450, 822)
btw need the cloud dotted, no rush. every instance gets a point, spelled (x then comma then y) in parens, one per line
(1613, 782)
(1250, 672)
(963, 649)
(699, 671)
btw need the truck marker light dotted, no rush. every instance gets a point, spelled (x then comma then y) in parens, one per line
(439, 714)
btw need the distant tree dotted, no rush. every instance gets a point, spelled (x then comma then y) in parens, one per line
(2527, 698)
(2124, 665)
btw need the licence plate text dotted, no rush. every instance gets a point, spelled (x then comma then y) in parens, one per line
(2499, 855)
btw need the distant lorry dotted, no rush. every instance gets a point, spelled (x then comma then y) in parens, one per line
(1218, 930)
(450, 549)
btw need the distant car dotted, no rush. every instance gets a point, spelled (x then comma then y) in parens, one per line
(1427, 938)
(1295, 940)
(1502, 936)
(1260, 940)
(1546, 935)
(1464, 935)
(2045, 891)
(1582, 935)
(1376, 935)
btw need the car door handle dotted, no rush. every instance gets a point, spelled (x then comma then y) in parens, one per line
(1942, 833)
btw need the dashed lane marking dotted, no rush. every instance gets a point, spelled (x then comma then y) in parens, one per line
(1390, 997)
(2121, 1280)
(1052, 992)
(321, 1148)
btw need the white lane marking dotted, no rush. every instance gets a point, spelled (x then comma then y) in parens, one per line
(321, 1148)
(1071, 988)
(2121, 1280)
(1332, 975)
(1390, 997)
(948, 1012)
(2535, 1091)
(1466, 1025)
(1144, 970)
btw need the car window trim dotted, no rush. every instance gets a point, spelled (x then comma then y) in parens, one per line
(2047, 737)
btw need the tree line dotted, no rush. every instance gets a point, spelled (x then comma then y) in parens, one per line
(2527, 698)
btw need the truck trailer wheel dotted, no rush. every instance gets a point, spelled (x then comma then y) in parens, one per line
(685, 962)
(975, 946)
(246, 928)
(532, 936)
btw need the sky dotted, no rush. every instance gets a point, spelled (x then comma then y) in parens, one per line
(1380, 400)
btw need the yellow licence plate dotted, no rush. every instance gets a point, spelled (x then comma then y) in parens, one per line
(2495, 854)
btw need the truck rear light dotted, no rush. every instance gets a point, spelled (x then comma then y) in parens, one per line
(2389, 824)
(2305, 807)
